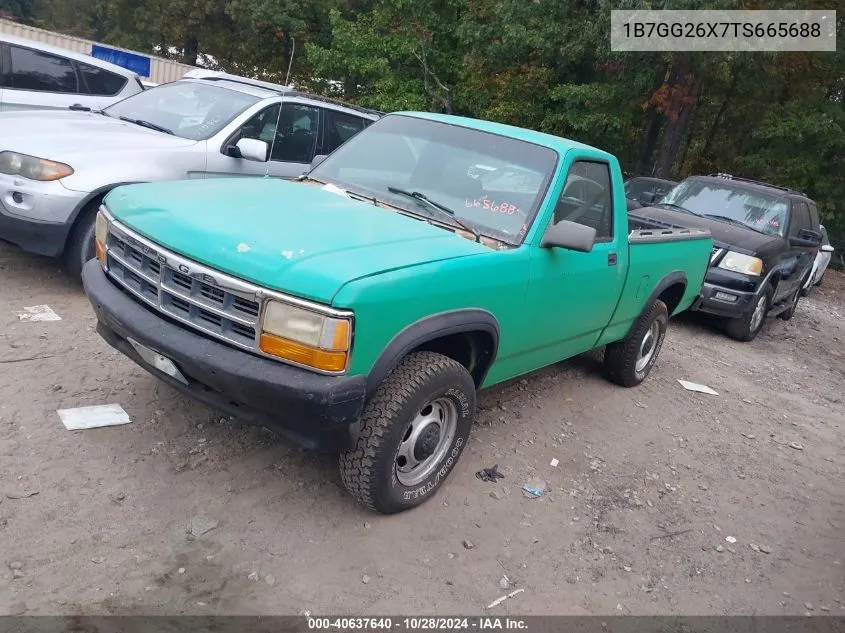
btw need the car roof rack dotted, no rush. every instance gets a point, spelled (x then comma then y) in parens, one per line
(756, 182)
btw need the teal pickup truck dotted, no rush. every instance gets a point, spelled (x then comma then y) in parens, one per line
(359, 309)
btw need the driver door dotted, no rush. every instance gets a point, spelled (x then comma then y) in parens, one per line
(573, 295)
(291, 136)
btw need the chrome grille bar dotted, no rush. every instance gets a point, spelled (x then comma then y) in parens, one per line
(186, 291)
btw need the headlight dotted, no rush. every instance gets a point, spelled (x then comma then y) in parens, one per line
(305, 337)
(31, 167)
(101, 234)
(740, 263)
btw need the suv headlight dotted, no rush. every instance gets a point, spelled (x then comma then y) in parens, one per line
(305, 337)
(32, 167)
(740, 263)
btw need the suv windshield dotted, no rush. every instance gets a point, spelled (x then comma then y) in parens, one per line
(493, 183)
(758, 211)
(188, 109)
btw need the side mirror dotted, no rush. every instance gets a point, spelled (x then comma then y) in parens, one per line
(805, 241)
(827, 248)
(249, 149)
(569, 235)
(319, 158)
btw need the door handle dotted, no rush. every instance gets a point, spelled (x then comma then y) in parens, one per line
(611, 259)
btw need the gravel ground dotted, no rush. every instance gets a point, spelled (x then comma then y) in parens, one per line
(664, 501)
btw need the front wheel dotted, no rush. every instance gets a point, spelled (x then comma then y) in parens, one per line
(748, 326)
(413, 432)
(628, 362)
(80, 244)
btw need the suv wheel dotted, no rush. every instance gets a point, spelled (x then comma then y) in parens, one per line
(628, 362)
(80, 244)
(413, 432)
(748, 326)
(793, 302)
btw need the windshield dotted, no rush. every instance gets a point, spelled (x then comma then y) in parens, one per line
(758, 211)
(189, 109)
(492, 183)
(636, 187)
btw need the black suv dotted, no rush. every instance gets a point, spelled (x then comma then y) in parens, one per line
(765, 240)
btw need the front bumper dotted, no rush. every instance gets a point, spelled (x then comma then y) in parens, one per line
(728, 294)
(37, 216)
(313, 411)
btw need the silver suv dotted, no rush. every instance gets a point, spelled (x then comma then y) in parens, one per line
(37, 76)
(55, 167)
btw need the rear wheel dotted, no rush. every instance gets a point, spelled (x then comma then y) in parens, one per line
(628, 362)
(80, 244)
(413, 432)
(748, 326)
(793, 303)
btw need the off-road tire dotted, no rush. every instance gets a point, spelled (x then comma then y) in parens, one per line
(740, 328)
(787, 314)
(368, 470)
(620, 359)
(80, 244)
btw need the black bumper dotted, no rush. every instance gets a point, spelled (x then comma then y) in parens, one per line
(714, 299)
(42, 238)
(313, 411)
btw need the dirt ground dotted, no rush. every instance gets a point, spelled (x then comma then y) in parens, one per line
(653, 486)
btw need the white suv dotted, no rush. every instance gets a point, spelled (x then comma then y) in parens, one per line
(37, 76)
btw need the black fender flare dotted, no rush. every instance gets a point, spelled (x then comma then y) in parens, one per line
(431, 328)
(675, 277)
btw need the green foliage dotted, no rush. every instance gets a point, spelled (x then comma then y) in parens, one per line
(544, 64)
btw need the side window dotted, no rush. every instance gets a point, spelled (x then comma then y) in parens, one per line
(34, 70)
(261, 126)
(800, 218)
(5, 70)
(587, 198)
(296, 136)
(100, 82)
(814, 216)
(339, 128)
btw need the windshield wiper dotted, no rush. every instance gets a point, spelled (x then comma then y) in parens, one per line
(725, 218)
(416, 195)
(675, 206)
(147, 124)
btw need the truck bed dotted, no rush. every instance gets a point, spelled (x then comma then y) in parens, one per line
(646, 230)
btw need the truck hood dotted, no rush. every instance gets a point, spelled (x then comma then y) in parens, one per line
(287, 236)
(71, 137)
(736, 237)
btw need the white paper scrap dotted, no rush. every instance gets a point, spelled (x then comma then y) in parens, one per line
(38, 313)
(554, 462)
(93, 417)
(693, 386)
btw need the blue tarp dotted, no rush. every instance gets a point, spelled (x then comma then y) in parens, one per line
(136, 63)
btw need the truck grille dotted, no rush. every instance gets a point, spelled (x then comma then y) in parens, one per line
(218, 305)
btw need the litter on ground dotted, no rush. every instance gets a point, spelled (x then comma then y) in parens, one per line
(38, 313)
(499, 601)
(694, 386)
(93, 417)
(490, 474)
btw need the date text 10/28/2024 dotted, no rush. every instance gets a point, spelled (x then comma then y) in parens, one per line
(416, 624)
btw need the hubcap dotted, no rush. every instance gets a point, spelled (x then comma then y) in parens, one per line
(426, 441)
(648, 346)
(759, 313)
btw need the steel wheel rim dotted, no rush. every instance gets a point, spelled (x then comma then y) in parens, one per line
(759, 313)
(648, 346)
(426, 441)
